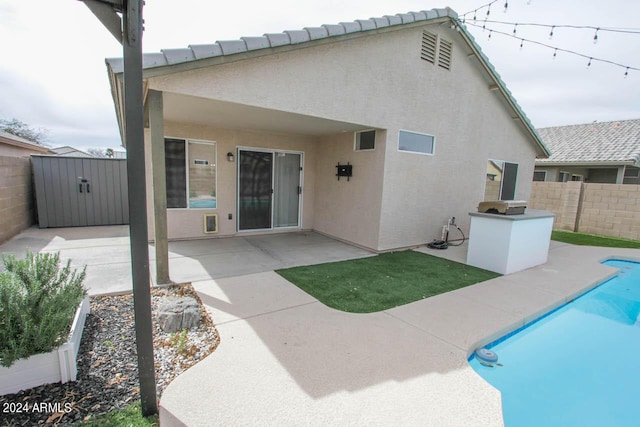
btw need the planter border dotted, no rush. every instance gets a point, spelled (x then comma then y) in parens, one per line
(58, 365)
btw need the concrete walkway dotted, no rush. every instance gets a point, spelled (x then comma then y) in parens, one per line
(286, 359)
(106, 253)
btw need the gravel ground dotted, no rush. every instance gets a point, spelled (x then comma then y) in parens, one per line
(107, 364)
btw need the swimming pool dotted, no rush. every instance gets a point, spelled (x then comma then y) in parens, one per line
(578, 365)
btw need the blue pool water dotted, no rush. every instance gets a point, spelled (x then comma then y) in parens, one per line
(577, 366)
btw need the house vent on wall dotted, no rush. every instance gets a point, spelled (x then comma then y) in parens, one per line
(211, 223)
(429, 43)
(436, 50)
(444, 54)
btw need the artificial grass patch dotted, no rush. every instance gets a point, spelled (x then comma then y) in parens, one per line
(593, 240)
(384, 281)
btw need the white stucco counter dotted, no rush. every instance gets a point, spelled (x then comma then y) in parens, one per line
(509, 243)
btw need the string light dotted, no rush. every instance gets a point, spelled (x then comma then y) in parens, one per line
(557, 49)
(551, 33)
(490, 31)
(506, 6)
(515, 28)
(595, 36)
(626, 73)
(489, 9)
(579, 27)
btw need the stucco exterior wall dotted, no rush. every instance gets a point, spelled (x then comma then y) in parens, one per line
(188, 223)
(349, 209)
(379, 81)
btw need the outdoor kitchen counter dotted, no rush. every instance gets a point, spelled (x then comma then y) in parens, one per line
(509, 243)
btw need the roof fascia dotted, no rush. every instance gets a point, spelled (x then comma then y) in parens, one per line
(20, 144)
(225, 59)
(543, 162)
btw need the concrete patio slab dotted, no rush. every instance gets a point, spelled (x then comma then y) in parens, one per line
(312, 365)
(286, 361)
(247, 296)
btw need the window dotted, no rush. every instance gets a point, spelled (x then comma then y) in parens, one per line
(540, 175)
(365, 140)
(564, 177)
(501, 179)
(191, 174)
(576, 177)
(415, 142)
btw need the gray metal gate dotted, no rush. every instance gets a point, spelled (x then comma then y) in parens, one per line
(79, 191)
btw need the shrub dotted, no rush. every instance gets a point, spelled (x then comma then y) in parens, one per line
(38, 301)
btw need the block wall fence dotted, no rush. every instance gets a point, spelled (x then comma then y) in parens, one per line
(605, 209)
(16, 196)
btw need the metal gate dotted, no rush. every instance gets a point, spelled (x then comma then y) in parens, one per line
(79, 191)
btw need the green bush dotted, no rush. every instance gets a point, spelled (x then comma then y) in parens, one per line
(38, 300)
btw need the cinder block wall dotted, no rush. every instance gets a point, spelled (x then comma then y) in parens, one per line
(561, 198)
(611, 210)
(605, 209)
(16, 198)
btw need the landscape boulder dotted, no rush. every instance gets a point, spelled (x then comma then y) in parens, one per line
(176, 314)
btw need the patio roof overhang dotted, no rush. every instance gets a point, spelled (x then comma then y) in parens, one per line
(187, 109)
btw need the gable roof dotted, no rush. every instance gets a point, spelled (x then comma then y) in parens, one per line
(195, 56)
(17, 141)
(616, 142)
(68, 151)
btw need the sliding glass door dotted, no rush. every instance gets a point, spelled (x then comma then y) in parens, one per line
(269, 189)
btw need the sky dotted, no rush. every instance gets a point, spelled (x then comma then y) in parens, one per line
(53, 74)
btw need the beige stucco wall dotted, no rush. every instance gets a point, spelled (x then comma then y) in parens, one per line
(188, 223)
(380, 82)
(349, 209)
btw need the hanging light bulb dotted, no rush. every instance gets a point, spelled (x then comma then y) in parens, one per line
(506, 6)
(515, 28)
(489, 9)
(490, 32)
(474, 14)
(595, 36)
(589, 64)
(555, 53)
(551, 33)
(626, 73)
(521, 43)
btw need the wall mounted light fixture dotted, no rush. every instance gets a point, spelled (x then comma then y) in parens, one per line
(230, 156)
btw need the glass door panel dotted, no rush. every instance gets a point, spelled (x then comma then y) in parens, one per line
(286, 200)
(255, 169)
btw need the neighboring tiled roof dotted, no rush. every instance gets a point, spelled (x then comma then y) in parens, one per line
(11, 139)
(230, 47)
(605, 142)
(67, 151)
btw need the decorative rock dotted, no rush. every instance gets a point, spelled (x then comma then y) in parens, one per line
(176, 314)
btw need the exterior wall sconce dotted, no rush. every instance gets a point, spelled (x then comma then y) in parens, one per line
(230, 156)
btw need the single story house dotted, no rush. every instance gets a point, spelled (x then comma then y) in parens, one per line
(68, 151)
(373, 132)
(15, 146)
(599, 152)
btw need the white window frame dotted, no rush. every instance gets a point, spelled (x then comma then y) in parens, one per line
(186, 160)
(568, 174)
(433, 145)
(355, 140)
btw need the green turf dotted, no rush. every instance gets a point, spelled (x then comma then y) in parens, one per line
(384, 281)
(131, 416)
(593, 240)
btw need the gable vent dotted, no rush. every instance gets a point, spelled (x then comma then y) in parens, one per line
(444, 54)
(429, 43)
